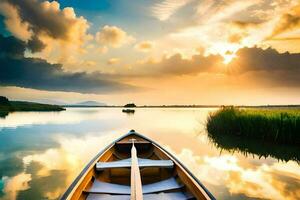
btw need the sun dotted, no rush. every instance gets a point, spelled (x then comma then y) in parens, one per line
(226, 50)
(228, 57)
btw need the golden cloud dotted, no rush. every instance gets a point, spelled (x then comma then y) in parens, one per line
(113, 36)
(223, 26)
(18, 183)
(288, 21)
(46, 19)
(235, 173)
(13, 22)
(71, 155)
(267, 67)
(144, 46)
(52, 33)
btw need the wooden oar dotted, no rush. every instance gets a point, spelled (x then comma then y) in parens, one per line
(135, 182)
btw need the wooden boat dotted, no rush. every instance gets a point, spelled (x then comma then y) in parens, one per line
(136, 168)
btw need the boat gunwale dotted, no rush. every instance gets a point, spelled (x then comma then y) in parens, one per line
(85, 170)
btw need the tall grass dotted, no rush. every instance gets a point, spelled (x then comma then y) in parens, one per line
(274, 125)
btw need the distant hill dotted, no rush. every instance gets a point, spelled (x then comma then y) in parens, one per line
(91, 103)
(51, 102)
(87, 104)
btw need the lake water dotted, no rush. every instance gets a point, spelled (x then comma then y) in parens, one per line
(42, 152)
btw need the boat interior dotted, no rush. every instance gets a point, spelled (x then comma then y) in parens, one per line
(135, 168)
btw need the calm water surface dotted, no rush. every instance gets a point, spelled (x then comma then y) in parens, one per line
(41, 153)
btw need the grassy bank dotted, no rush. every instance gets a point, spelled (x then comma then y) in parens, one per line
(7, 106)
(273, 125)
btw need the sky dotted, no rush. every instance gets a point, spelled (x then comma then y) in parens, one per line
(151, 52)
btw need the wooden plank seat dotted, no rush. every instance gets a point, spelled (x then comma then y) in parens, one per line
(141, 162)
(157, 196)
(100, 187)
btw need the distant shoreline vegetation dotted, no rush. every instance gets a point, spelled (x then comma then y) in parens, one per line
(7, 106)
(280, 126)
(183, 106)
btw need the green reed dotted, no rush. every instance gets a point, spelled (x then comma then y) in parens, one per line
(274, 125)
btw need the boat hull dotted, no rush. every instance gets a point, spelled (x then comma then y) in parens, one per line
(116, 154)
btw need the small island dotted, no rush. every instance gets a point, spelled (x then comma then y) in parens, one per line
(130, 105)
(7, 106)
(128, 110)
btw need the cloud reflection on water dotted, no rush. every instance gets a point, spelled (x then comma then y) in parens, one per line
(15, 184)
(71, 156)
(263, 181)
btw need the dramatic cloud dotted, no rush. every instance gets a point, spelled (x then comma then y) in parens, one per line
(56, 33)
(144, 46)
(11, 47)
(223, 27)
(211, 29)
(35, 45)
(47, 18)
(167, 8)
(113, 36)
(16, 70)
(177, 65)
(14, 23)
(254, 59)
(268, 66)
